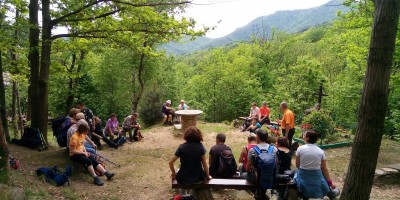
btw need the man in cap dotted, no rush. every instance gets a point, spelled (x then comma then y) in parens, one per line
(131, 123)
(168, 112)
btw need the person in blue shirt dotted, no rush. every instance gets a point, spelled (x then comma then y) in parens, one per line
(254, 125)
(183, 106)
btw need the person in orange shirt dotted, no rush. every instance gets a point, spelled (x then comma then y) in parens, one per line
(287, 122)
(78, 153)
(265, 114)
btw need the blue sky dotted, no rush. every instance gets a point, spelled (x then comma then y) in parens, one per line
(228, 15)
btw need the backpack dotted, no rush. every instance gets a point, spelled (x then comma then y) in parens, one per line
(181, 197)
(120, 140)
(32, 138)
(60, 128)
(227, 164)
(53, 175)
(265, 163)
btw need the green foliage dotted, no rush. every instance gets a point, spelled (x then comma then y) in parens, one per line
(321, 122)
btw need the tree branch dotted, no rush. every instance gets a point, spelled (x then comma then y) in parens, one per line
(150, 4)
(90, 34)
(93, 18)
(58, 20)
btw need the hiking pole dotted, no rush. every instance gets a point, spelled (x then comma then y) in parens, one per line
(106, 159)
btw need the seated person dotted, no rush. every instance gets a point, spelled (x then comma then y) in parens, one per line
(98, 134)
(254, 125)
(183, 106)
(214, 158)
(251, 142)
(168, 113)
(264, 114)
(112, 127)
(89, 144)
(131, 123)
(312, 177)
(78, 153)
(284, 155)
(193, 168)
(254, 172)
(254, 113)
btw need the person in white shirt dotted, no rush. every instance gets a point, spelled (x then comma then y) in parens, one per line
(131, 123)
(312, 178)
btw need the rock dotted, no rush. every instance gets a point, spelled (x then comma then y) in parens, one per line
(390, 170)
(379, 172)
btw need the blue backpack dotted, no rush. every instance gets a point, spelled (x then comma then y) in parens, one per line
(60, 128)
(53, 175)
(265, 163)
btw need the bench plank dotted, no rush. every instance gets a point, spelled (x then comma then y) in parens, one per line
(237, 184)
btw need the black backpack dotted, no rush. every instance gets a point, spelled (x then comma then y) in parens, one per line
(60, 128)
(227, 164)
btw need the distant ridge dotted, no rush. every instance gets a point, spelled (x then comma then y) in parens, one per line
(290, 21)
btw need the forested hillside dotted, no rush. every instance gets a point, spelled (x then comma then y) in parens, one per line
(288, 67)
(290, 21)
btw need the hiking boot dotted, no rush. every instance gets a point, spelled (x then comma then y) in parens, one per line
(97, 181)
(109, 175)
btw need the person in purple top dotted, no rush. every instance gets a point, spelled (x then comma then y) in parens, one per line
(112, 127)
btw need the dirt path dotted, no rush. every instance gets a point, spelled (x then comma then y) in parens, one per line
(144, 172)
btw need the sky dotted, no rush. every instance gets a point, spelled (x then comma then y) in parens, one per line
(228, 15)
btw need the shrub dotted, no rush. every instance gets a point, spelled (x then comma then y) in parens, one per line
(150, 108)
(321, 122)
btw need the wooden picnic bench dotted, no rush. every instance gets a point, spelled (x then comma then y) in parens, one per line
(202, 191)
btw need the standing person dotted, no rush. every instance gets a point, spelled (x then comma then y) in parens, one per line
(192, 155)
(168, 112)
(112, 127)
(131, 123)
(265, 155)
(284, 155)
(251, 142)
(265, 114)
(78, 153)
(312, 177)
(287, 123)
(89, 116)
(217, 152)
(183, 106)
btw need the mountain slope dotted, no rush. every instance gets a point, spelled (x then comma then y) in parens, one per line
(291, 21)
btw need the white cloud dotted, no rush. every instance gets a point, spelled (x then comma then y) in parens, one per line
(233, 14)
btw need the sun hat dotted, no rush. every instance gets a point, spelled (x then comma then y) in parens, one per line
(168, 101)
(135, 113)
(182, 101)
(251, 135)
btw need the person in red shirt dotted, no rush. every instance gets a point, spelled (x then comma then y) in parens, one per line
(265, 114)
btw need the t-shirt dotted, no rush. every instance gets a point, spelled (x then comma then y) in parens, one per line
(191, 170)
(263, 146)
(264, 111)
(285, 161)
(113, 124)
(182, 107)
(215, 151)
(70, 132)
(255, 112)
(128, 123)
(165, 108)
(77, 141)
(288, 118)
(310, 156)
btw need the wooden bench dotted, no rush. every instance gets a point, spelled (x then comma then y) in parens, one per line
(202, 191)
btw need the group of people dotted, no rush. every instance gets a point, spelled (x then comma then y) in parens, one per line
(168, 112)
(260, 116)
(312, 177)
(85, 133)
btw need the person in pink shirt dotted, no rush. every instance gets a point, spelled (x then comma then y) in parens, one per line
(112, 127)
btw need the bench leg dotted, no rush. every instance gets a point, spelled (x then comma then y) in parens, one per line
(203, 194)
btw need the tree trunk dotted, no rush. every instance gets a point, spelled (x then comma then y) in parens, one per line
(3, 157)
(14, 108)
(3, 110)
(371, 116)
(33, 59)
(42, 114)
(139, 95)
(70, 98)
(20, 121)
